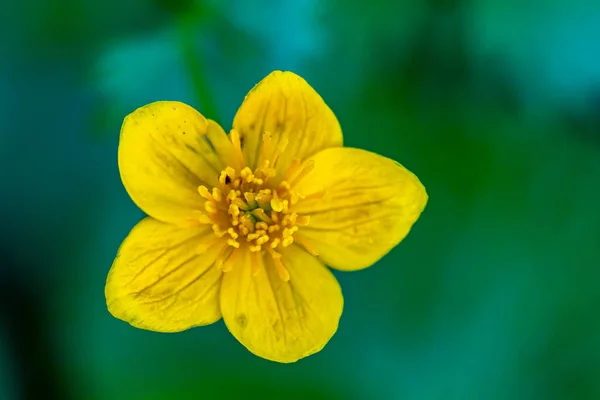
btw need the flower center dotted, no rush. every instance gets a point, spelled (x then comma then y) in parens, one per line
(250, 209)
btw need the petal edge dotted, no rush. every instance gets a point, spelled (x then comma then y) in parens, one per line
(286, 106)
(371, 205)
(282, 321)
(164, 156)
(158, 282)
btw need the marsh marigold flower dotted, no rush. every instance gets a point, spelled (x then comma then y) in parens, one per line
(241, 226)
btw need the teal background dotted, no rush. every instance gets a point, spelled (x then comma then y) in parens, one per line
(494, 105)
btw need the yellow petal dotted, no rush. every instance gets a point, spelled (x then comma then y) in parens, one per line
(277, 320)
(287, 107)
(371, 203)
(159, 282)
(165, 152)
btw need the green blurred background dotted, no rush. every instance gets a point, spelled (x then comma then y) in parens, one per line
(494, 104)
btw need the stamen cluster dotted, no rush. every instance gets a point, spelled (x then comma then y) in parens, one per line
(248, 209)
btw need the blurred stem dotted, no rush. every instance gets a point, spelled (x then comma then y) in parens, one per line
(196, 68)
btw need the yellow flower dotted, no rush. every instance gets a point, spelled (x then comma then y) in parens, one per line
(241, 226)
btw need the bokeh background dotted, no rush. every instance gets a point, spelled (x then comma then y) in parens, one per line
(494, 104)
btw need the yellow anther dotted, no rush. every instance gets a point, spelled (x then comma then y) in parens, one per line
(251, 236)
(222, 178)
(261, 225)
(232, 233)
(234, 210)
(231, 195)
(230, 172)
(287, 232)
(247, 175)
(217, 230)
(210, 207)
(264, 217)
(277, 205)
(245, 172)
(203, 190)
(262, 240)
(239, 203)
(263, 194)
(216, 194)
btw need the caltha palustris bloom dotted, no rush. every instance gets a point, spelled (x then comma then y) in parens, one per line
(241, 226)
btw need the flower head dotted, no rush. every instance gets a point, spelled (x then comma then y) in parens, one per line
(242, 225)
